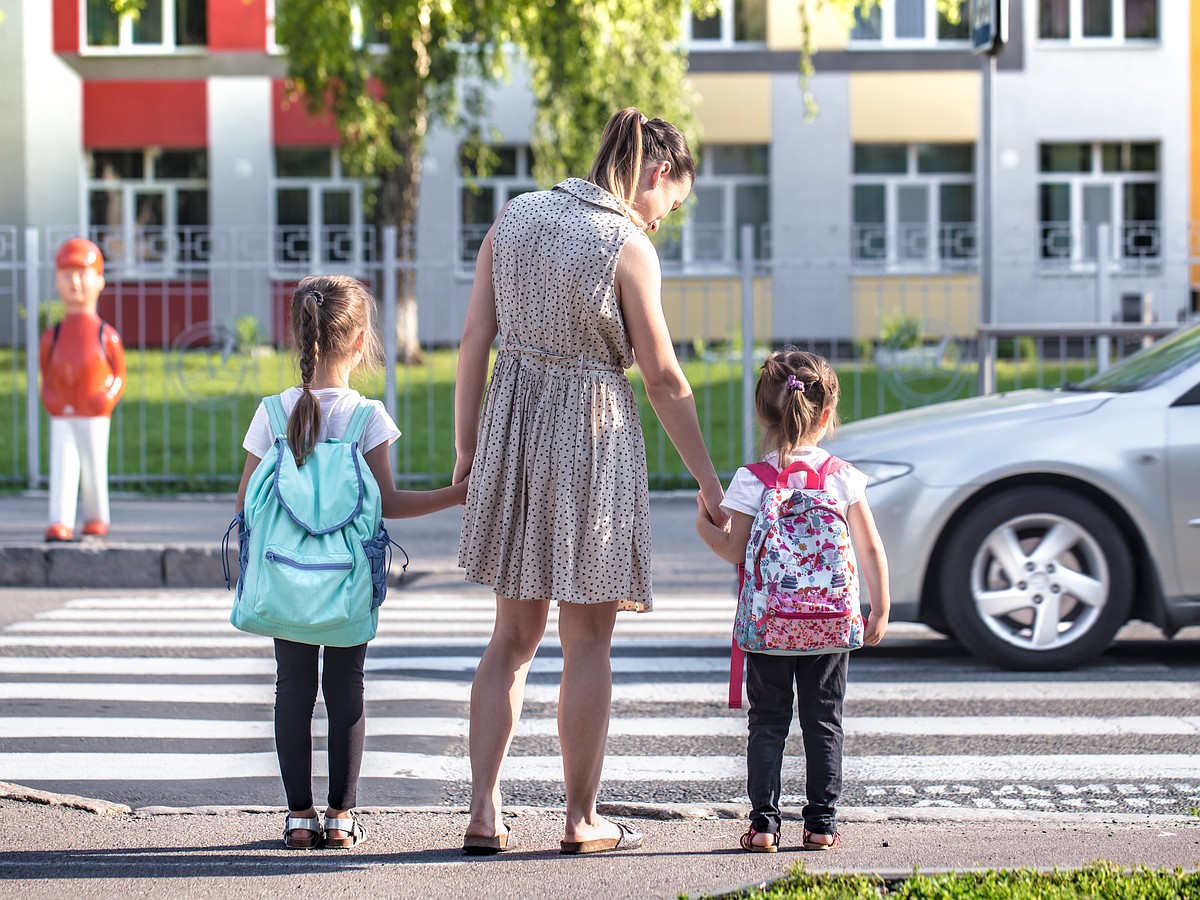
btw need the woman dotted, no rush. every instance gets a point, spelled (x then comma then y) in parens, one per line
(557, 507)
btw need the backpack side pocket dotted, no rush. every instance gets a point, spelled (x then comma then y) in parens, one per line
(378, 551)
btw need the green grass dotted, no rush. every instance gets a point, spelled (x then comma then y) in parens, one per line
(1098, 881)
(183, 417)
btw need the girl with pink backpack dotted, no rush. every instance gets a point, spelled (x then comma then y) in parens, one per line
(796, 405)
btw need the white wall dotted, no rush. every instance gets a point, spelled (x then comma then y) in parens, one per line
(1064, 94)
(240, 164)
(50, 124)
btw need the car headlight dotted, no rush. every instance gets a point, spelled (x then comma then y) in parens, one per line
(881, 472)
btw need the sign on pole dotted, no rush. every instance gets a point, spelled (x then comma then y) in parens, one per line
(989, 26)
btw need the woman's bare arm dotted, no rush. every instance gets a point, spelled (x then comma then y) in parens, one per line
(474, 350)
(639, 289)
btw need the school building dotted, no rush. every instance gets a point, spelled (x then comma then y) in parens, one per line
(175, 143)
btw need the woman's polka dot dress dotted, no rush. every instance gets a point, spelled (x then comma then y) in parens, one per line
(558, 507)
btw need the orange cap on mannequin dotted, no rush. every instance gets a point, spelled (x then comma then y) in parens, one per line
(80, 253)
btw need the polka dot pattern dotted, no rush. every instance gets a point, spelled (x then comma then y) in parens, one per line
(558, 507)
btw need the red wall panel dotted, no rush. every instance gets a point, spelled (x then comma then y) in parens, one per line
(294, 127)
(154, 313)
(237, 25)
(123, 114)
(66, 26)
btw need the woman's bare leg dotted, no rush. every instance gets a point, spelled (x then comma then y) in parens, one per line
(585, 631)
(496, 697)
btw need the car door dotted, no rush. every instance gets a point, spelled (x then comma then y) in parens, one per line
(1183, 478)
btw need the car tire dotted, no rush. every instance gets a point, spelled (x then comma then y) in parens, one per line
(1036, 578)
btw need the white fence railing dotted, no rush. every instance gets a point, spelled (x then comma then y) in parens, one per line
(203, 318)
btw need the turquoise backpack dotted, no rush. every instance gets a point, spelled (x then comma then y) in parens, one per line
(312, 550)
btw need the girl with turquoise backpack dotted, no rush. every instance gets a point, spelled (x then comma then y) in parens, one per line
(313, 551)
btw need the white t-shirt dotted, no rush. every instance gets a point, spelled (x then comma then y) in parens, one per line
(337, 406)
(746, 490)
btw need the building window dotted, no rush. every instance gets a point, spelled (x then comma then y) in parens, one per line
(914, 205)
(733, 189)
(148, 209)
(318, 211)
(1086, 21)
(734, 22)
(161, 25)
(506, 173)
(1083, 186)
(907, 23)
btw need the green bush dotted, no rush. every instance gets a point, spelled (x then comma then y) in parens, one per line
(901, 332)
(1017, 349)
(49, 312)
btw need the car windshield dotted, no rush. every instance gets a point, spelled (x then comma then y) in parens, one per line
(1149, 367)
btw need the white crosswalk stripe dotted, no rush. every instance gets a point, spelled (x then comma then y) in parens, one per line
(161, 690)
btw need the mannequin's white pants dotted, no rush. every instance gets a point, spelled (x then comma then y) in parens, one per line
(79, 466)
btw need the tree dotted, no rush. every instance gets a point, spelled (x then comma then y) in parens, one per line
(586, 58)
(387, 70)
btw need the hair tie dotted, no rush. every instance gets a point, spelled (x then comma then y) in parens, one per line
(795, 384)
(317, 296)
(644, 120)
(305, 386)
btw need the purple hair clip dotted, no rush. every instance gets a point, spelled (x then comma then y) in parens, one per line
(795, 384)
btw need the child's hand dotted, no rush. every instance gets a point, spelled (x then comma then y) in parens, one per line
(877, 624)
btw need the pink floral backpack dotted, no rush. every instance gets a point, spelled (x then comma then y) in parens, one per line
(798, 589)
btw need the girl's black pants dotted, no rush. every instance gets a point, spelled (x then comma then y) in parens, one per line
(773, 686)
(295, 699)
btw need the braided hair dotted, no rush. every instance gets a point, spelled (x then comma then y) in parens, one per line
(327, 314)
(795, 388)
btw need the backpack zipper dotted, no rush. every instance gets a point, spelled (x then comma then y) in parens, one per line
(272, 556)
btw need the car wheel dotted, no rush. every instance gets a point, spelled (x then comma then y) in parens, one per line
(1036, 578)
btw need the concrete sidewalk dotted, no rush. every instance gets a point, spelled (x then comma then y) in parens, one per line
(57, 850)
(175, 542)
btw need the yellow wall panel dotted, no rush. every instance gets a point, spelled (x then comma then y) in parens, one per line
(710, 309)
(829, 30)
(734, 108)
(914, 106)
(945, 304)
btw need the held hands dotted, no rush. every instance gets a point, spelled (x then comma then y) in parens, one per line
(710, 498)
(462, 468)
(704, 519)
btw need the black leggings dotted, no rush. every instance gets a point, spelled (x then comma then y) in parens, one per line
(295, 698)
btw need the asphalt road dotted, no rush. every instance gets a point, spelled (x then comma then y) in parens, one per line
(150, 699)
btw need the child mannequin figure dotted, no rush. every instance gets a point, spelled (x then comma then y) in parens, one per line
(82, 362)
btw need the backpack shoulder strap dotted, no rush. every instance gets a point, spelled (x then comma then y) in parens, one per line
(358, 423)
(830, 467)
(765, 472)
(812, 478)
(276, 416)
(54, 336)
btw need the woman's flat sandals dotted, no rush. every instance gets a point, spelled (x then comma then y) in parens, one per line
(482, 845)
(627, 840)
(356, 830)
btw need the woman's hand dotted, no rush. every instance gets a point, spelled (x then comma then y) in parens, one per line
(462, 467)
(712, 495)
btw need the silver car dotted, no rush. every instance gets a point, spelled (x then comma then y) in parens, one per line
(1032, 525)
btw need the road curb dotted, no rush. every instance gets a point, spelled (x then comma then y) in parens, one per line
(101, 564)
(21, 794)
(651, 811)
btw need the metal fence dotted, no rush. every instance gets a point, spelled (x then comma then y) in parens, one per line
(203, 318)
